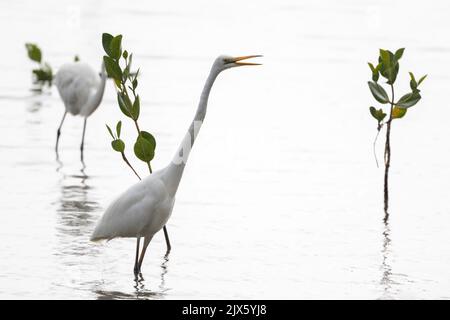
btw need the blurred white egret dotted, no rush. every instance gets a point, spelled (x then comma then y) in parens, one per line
(81, 90)
(143, 209)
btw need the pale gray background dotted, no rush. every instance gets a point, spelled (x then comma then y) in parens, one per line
(281, 197)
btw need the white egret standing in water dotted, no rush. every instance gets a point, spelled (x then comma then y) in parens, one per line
(144, 209)
(81, 90)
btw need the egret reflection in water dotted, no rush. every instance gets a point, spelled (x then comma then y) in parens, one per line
(75, 203)
(140, 287)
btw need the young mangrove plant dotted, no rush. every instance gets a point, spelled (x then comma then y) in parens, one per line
(42, 75)
(117, 65)
(388, 67)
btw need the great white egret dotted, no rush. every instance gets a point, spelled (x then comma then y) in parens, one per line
(143, 209)
(81, 89)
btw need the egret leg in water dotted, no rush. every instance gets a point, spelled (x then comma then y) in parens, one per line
(144, 249)
(82, 139)
(58, 133)
(166, 236)
(136, 268)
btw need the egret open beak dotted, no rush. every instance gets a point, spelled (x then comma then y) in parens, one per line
(237, 60)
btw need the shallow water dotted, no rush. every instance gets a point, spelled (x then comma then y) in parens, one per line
(281, 197)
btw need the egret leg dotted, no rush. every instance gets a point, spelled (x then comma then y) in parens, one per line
(136, 270)
(144, 248)
(166, 235)
(82, 139)
(58, 133)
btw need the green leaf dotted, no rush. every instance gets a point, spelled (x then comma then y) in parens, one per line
(137, 73)
(106, 42)
(378, 92)
(394, 76)
(389, 66)
(118, 128)
(126, 72)
(398, 113)
(375, 76)
(421, 79)
(130, 60)
(116, 47)
(408, 100)
(118, 145)
(385, 58)
(112, 68)
(377, 114)
(125, 54)
(110, 131)
(373, 112)
(375, 72)
(135, 108)
(124, 104)
(145, 145)
(413, 83)
(34, 53)
(399, 53)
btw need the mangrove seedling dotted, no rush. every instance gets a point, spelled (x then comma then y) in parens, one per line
(43, 74)
(388, 67)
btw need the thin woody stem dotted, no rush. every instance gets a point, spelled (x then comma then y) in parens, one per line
(374, 145)
(137, 126)
(387, 158)
(128, 163)
(149, 167)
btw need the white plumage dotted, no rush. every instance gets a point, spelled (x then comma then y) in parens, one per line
(76, 82)
(81, 89)
(144, 209)
(140, 211)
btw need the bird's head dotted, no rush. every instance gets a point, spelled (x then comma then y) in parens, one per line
(226, 62)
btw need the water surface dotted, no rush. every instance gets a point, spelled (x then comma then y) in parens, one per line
(281, 197)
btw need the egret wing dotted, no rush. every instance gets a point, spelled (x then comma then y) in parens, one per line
(75, 83)
(132, 212)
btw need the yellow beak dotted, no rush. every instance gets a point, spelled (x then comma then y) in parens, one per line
(237, 60)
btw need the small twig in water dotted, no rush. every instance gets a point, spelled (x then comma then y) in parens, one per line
(374, 145)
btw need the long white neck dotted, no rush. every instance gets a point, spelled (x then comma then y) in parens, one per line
(174, 171)
(96, 98)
